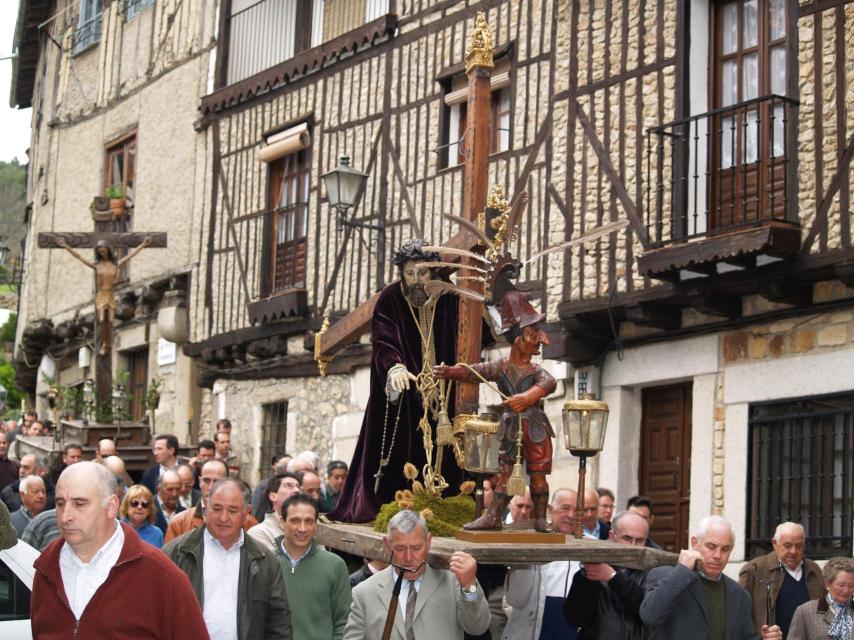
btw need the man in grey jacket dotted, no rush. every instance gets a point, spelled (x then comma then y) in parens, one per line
(237, 582)
(695, 599)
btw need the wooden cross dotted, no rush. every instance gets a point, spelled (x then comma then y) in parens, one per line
(348, 329)
(479, 111)
(105, 275)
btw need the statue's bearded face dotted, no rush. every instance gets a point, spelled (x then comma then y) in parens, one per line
(413, 282)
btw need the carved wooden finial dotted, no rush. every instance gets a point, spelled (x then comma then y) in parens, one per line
(480, 48)
(322, 361)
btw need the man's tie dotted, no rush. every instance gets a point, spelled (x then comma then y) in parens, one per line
(409, 620)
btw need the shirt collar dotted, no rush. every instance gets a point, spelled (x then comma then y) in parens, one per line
(796, 573)
(416, 582)
(301, 558)
(116, 540)
(209, 539)
(594, 532)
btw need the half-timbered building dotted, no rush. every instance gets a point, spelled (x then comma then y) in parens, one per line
(717, 325)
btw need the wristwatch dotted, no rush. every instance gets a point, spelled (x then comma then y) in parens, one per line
(472, 588)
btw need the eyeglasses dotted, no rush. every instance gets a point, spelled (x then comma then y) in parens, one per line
(136, 504)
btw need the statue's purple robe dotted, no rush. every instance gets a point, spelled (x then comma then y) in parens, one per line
(396, 339)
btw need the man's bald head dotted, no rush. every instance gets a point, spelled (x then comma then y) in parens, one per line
(90, 473)
(591, 509)
(169, 489)
(106, 447)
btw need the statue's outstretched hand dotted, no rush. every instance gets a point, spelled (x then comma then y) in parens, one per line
(399, 379)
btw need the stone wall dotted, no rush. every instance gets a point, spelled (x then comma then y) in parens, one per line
(314, 405)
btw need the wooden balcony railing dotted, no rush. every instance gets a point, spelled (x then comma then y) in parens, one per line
(722, 171)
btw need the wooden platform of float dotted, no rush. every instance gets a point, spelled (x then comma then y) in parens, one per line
(362, 540)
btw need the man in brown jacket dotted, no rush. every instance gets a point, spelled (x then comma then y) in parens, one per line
(190, 519)
(793, 579)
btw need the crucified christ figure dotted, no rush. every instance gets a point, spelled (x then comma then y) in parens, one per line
(106, 271)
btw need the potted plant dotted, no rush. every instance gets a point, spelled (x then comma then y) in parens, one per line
(116, 194)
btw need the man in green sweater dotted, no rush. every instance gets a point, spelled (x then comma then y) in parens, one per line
(317, 582)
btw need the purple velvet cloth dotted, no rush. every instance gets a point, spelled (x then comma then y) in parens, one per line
(396, 339)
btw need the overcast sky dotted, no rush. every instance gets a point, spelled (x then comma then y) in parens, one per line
(14, 123)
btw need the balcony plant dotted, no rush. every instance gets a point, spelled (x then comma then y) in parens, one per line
(116, 194)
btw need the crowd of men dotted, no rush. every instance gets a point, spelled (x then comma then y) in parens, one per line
(194, 551)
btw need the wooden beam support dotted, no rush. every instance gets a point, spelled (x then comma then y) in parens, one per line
(786, 291)
(657, 316)
(713, 304)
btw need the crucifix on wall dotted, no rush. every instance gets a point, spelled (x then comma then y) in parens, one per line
(107, 268)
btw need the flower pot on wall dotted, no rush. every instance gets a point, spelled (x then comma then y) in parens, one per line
(117, 206)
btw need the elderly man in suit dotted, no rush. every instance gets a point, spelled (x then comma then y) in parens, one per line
(431, 604)
(793, 579)
(695, 599)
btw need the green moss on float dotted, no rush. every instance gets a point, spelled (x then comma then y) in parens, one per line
(449, 514)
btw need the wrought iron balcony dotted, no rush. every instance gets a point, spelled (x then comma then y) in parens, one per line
(725, 172)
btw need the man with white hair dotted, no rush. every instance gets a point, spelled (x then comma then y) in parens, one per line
(99, 580)
(33, 499)
(793, 579)
(695, 599)
(537, 592)
(431, 603)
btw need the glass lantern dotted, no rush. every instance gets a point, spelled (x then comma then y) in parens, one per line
(584, 423)
(481, 445)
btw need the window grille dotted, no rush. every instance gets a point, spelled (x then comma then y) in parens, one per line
(801, 466)
(274, 431)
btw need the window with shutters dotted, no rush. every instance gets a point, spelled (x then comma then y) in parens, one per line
(455, 114)
(287, 222)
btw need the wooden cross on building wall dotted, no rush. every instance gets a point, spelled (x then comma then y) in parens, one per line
(105, 241)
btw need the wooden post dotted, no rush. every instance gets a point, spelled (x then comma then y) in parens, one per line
(479, 111)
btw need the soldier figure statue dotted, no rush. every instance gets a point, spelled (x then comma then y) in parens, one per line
(525, 384)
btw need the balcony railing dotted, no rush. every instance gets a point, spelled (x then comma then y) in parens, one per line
(721, 171)
(87, 33)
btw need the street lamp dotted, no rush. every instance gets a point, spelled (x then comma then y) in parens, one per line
(344, 187)
(584, 423)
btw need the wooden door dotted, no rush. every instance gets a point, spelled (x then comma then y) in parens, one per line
(665, 465)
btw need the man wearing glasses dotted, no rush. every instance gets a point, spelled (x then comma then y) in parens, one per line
(604, 601)
(279, 488)
(192, 518)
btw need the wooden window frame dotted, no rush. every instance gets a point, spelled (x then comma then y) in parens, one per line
(122, 144)
(298, 246)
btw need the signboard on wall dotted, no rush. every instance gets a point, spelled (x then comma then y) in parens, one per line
(167, 352)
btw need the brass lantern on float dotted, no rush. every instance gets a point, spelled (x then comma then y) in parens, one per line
(481, 445)
(584, 423)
